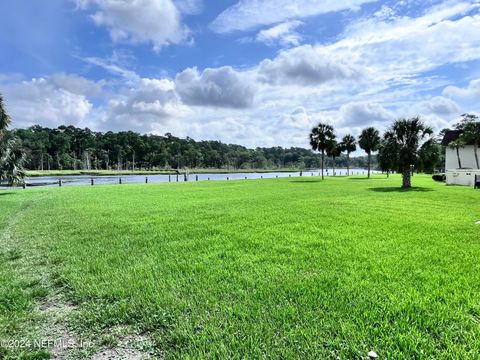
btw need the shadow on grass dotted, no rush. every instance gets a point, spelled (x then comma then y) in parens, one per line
(5, 193)
(307, 181)
(400, 189)
(366, 178)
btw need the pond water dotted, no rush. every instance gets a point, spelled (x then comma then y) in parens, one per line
(77, 180)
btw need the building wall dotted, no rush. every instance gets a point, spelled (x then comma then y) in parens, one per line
(467, 158)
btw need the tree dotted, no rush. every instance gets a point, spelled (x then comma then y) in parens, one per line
(320, 138)
(369, 140)
(429, 156)
(349, 145)
(457, 144)
(334, 151)
(407, 134)
(470, 125)
(387, 153)
(12, 156)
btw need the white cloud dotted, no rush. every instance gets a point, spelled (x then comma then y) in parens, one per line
(221, 87)
(143, 21)
(439, 105)
(247, 14)
(283, 33)
(471, 92)
(363, 114)
(49, 101)
(151, 104)
(406, 47)
(305, 65)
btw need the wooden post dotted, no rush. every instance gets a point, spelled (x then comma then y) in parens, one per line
(120, 181)
(60, 182)
(92, 181)
(169, 178)
(196, 177)
(177, 177)
(146, 179)
(301, 173)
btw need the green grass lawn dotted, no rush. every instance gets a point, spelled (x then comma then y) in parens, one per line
(278, 268)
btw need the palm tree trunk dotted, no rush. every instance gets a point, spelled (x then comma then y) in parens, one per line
(323, 161)
(369, 160)
(406, 181)
(475, 149)
(458, 158)
(348, 164)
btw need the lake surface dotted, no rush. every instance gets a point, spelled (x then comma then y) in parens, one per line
(78, 180)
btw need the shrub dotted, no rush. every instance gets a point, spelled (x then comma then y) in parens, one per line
(439, 177)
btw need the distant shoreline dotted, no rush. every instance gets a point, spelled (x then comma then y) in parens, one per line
(37, 173)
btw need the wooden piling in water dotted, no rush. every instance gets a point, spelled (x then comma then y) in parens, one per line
(169, 178)
(60, 182)
(146, 179)
(92, 182)
(196, 177)
(120, 181)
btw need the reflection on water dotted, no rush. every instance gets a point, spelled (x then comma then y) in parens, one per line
(77, 180)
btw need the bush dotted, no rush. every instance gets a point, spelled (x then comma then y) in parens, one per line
(439, 177)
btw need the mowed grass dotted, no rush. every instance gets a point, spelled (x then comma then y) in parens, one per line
(278, 268)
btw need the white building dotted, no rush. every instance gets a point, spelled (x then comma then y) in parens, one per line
(460, 165)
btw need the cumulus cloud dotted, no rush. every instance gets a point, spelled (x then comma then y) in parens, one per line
(305, 65)
(471, 92)
(248, 14)
(364, 113)
(141, 21)
(283, 33)
(439, 105)
(220, 87)
(405, 47)
(151, 103)
(49, 101)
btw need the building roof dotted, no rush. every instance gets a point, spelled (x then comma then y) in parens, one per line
(450, 135)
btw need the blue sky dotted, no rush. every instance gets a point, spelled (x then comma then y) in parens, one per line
(253, 72)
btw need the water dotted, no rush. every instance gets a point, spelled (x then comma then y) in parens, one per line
(78, 180)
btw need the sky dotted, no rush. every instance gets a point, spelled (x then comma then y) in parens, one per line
(250, 72)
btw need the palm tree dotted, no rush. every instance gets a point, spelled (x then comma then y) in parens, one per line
(334, 151)
(369, 140)
(457, 144)
(320, 138)
(471, 133)
(349, 145)
(12, 156)
(4, 119)
(387, 153)
(408, 135)
(11, 169)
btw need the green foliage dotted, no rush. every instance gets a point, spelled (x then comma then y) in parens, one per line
(279, 268)
(322, 138)
(405, 140)
(12, 155)
(439, 177)
(72, 148)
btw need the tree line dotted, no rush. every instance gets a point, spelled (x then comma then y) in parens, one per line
(71, 148)
(406, 146)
